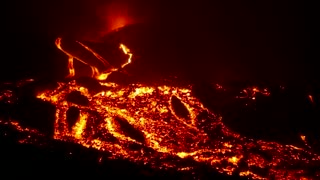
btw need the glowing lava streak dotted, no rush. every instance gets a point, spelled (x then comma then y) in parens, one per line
(80, 126)
(95, 72)
(100, 58)
(70, 59)
(127, 52)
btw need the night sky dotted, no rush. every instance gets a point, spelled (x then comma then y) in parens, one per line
(202, 40)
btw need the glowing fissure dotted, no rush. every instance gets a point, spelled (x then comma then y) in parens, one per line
(149, 121)
(127, 52)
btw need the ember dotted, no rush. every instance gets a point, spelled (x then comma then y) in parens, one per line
(152, 124)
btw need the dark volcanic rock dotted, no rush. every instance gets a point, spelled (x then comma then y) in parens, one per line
(129, 130)
(77, 98)
(36, 114)
(73, 114)
(179, 108)
(90, 83)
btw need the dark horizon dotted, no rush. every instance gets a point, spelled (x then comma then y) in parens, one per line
(222, 42)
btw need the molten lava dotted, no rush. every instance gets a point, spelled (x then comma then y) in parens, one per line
(95, 72)
(166, 124)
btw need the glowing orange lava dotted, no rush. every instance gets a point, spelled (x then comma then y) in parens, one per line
(251, 92)
(95, 72)
(141, 123)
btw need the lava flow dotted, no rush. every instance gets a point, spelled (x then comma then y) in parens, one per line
(166, 127)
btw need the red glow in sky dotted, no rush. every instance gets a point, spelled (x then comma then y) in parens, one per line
(115, 15)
